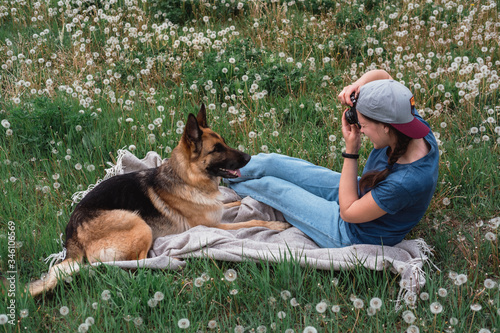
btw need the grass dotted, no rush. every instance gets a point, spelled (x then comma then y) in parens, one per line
(81, 79)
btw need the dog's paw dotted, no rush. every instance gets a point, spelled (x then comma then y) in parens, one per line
(277, 225)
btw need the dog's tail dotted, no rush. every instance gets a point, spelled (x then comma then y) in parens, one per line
(56, 272)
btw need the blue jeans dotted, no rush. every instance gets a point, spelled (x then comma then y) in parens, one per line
(306, 194)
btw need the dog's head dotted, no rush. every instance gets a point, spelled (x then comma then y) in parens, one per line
(208, 150)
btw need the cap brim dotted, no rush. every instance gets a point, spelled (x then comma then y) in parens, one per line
(414, 129)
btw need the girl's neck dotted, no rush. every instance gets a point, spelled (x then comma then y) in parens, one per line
(417, 149)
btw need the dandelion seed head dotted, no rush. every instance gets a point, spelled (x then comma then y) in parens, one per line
(476, 307)
(230, 275)
(436, 308)
(24, 313)
(371, 311)
(183, 323)
(310, 329)
(409, 317)
(358, 303)
(321, 307)
(83, 328)
(159, 296)
(376, 303)
(461, 279)
(413, 329)
(198, 282)
(64, 310)
(138, 321)
(285, 294)
(152, 303)
(212, 324)
(489, 236)
(424, 296)
(489, 284)
(442, 292)
(3, 319)
(106, 295)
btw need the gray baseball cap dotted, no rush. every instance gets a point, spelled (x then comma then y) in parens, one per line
(390, 102)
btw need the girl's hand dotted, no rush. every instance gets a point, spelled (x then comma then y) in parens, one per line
(345, 94)
(352, 136)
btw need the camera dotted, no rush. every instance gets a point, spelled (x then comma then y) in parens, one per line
(351, 115)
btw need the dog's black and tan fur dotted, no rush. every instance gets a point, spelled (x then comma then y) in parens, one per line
(122, 216)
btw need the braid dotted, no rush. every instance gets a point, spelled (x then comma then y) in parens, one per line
(372, 178)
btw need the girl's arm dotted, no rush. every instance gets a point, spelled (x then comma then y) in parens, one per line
(376, 74)
(352, 208)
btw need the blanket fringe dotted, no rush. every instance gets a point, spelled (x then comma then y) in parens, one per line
(409, 289)
(115, 169)
(55, 258)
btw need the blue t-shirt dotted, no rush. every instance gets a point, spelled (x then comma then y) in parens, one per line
(405, 195)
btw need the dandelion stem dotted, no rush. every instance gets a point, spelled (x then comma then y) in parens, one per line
(355, 322)
(434, 322)
(472, 320)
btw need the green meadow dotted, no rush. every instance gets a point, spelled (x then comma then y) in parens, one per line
(81, 79)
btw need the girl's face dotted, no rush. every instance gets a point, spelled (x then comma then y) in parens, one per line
(378, 133)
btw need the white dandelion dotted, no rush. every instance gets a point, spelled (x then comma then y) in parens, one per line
(183, 323)
(436, 308)
(24, 313)
(310, 329)
(285, 294)
(409, 317)
(64, 310)
(376, 303)
(198, 282)
(321, 307)
(489, 284)
(230, 275)
(212, 324)
(358, 303)
(106, 295)
(159, 296)
(336, 308)
(476, 307)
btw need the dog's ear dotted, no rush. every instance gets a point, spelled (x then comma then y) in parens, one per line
(202, 117)
(192, 132)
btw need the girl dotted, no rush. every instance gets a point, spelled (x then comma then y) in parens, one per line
(339, 209)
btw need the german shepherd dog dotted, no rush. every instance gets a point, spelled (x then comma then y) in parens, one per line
(122, 216)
